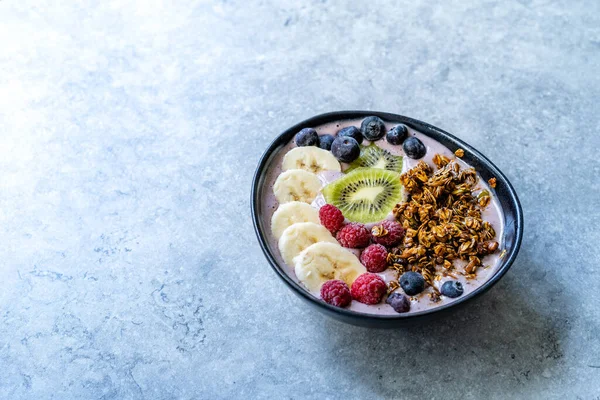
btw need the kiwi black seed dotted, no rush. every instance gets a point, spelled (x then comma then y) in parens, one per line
(365, 194)
(374, 156)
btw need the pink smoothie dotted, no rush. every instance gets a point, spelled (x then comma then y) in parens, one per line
(492, 213)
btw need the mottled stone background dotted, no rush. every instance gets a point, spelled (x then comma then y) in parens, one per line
(129, 132)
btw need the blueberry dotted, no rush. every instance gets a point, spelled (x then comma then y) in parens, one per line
(397, 134)
(372, 128)
(399, 302)
(414, 148)
(325, 141)
(352, 132)
(307, 137)
(452, 289)
(345, 149)
(412, 283)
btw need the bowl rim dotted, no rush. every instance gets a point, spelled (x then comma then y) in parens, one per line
(390, 117)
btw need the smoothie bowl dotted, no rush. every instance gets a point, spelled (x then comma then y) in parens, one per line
(382, 220)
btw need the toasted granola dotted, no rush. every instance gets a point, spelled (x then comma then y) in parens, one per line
(443, 222)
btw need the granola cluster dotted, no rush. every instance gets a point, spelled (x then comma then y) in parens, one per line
(442, 218)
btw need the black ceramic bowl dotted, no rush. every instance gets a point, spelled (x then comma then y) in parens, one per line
(513, 218)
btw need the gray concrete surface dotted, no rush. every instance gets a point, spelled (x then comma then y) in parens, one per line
(129, 132)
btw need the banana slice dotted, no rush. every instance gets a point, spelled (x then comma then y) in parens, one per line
(311, 159)
(291, 213)
(296, 185)
(325, 261)
(298, 237)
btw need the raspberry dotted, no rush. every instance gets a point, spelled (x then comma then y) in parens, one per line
(388, 233)
(354, 235)
(368, 288)
(331, 217)
(374, 258)
(336, 293)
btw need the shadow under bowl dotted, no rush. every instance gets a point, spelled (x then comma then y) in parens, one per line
(505, 193)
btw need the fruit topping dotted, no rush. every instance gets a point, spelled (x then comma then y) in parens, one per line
(325, 141)
(351, 131)
(388, 233)
(324, 261)
(311, 159)
(290, 213)
(374, 156)
(414, 148)
(336, 293)
(368, 288)
(331, 217)
(374, 258)
(365, 194)
(354, 236)
(372, 128)
(452, 289)
(412, 283)
(399, 302)
(397, 134)
(296, 185)
(345, 149)
(307, 137)
(299, 236)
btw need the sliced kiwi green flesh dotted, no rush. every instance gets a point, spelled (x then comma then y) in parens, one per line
(373, 156)
(365, 194)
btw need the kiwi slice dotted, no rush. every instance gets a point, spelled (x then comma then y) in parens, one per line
(365, 194)
(373, 156)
